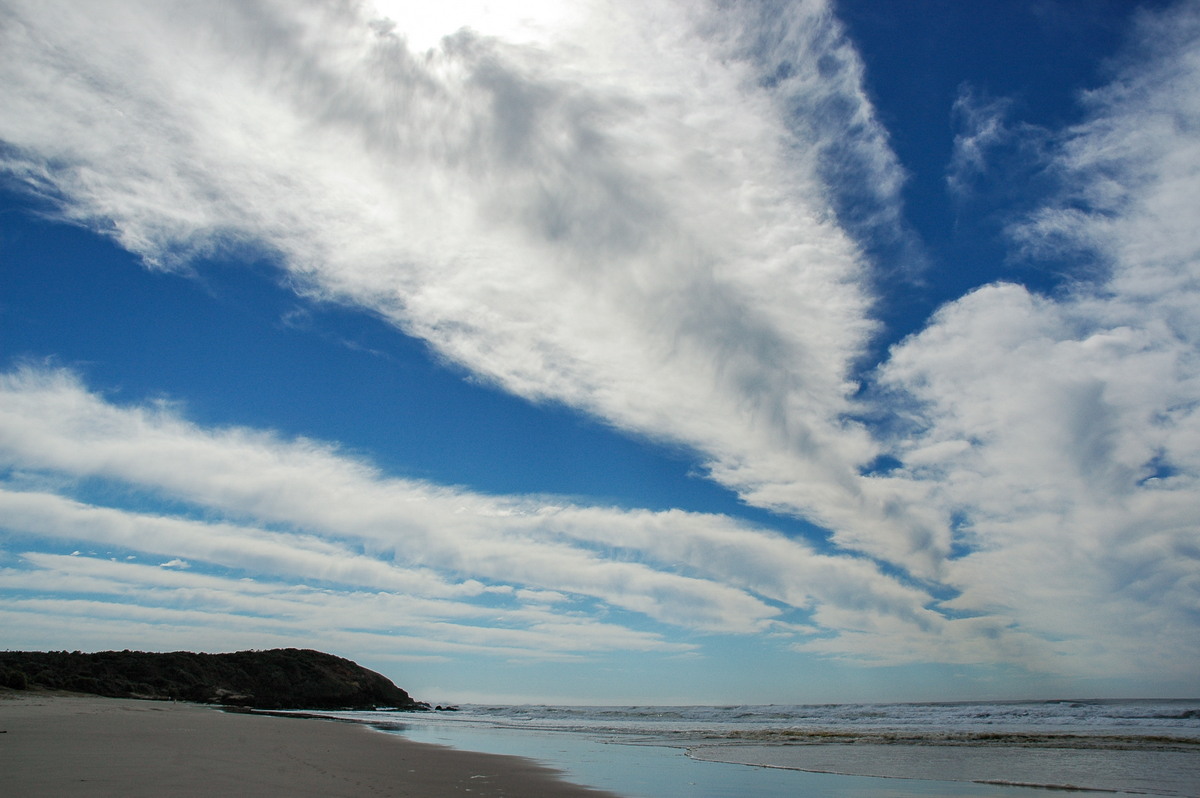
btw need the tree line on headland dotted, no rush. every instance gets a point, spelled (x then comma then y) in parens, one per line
(286, 678)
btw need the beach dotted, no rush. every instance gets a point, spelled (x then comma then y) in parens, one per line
(54, 744)
(68, 745)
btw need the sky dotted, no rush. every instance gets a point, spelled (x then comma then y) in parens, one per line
(609, 352)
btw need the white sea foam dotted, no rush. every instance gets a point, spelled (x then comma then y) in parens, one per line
(1136, 719)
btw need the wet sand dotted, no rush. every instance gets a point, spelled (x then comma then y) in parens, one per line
(66, 745)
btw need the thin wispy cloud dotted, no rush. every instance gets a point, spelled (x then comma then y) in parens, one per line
(673, 219)
(983, 126)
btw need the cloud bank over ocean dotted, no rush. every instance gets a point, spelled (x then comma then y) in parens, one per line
(665, 216)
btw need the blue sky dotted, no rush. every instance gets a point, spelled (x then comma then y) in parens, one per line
(608, 352)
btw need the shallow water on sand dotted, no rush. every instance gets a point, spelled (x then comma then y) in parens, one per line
(841, 751)
(644, 770)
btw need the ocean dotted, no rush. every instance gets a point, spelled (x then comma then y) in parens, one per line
(1013, 749)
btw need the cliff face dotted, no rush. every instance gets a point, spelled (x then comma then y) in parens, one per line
(278, 679)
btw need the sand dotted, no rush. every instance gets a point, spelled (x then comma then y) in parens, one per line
(66, 745)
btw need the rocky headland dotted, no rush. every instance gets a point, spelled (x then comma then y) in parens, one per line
(287, 678)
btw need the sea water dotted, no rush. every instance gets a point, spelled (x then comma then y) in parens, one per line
(1008, 749)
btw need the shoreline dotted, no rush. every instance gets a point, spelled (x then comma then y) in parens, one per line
(79, 745)
(939, 763)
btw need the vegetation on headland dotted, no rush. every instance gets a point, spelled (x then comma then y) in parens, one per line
(286, 678)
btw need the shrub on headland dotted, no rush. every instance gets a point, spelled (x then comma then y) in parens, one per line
(15, 680)
(276, 679)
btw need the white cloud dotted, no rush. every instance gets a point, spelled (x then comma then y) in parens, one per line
(339, 522)
(423, 549)
(378, 621)
(295, 555)
(983, 126)
(1061, 432)
(633, 214)
(632, 209)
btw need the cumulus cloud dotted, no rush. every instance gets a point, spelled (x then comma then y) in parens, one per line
(1059, 433)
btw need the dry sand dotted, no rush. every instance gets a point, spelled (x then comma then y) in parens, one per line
(66, 745)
